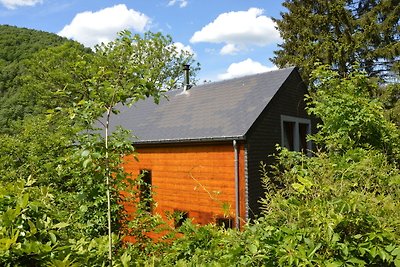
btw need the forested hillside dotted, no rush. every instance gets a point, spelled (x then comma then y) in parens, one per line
(18, 47)
(18, 44)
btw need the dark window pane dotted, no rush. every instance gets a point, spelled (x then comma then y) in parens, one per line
(303, 131)
(288, 134)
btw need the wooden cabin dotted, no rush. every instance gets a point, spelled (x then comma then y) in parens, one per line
(201, 148)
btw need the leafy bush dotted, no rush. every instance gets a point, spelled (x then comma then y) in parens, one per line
(31, 232)
(335, 210)
(350, 117)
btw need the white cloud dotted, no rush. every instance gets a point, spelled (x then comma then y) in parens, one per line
(92, 28)
(245, 67)
(13, 4)
(181, 47)
(182, 3)
(229, 49)
(239, 29)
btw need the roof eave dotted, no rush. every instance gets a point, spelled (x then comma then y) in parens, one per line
(190, 140)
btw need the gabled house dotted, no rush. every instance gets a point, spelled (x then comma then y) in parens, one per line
(201, 148)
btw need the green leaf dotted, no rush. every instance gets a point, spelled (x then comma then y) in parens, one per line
(252, 248)
(60, 225)
(318, 246)
(53, 237)
(334, 264)
(356, 261)
(85, 153)
(306, 182)
(298, 187)
(358, 236)
(397, 262)
(396, 252)
(125, 259)
(23, 201)
(86, 162)
(32, 227)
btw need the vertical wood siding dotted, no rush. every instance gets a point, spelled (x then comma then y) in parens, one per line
(195, 178)
(266, 133)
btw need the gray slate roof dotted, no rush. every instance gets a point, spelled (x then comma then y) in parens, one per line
(216, 111)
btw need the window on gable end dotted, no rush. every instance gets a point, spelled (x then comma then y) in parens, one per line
(294, 133)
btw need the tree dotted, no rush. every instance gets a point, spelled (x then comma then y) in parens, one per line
(131, 68)
(350, 118)
(341, 33)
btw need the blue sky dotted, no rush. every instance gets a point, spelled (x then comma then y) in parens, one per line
(230, 38)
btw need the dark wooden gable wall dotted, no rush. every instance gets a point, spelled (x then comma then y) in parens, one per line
(265, 133)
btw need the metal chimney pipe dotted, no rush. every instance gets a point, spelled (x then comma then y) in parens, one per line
(186, 84)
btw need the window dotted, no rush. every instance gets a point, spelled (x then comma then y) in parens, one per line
(224, 222)
(288, 134)
(179, 217)
(294, 133)
(145, 190)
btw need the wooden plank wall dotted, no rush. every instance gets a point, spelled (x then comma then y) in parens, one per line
(196, 178)
(266, 133)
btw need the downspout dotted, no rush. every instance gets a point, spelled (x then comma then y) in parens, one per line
(237, 192)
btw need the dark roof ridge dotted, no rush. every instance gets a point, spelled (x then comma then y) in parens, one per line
(235, 78)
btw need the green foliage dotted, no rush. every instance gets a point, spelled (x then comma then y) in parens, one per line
(390, 96)
(21, 58)
(339, 207)
(52, 140)
(350, 118)
(46, 72)
(30, 229)
(205, 245)
(33, 231)
(336, 209)
(89, 182)
(340, 33)
(18, 44)
(39, 149)
(324, 210)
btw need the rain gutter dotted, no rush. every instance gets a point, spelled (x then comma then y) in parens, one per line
(189, 140)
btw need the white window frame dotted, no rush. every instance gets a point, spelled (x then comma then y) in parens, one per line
(296, 137)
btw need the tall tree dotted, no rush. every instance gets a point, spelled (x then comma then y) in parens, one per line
(341, 33)
(131, 68)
